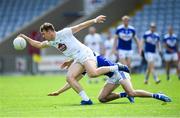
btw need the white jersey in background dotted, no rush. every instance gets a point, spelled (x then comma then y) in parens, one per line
(66, 43)
(93, 41)
(108, 45)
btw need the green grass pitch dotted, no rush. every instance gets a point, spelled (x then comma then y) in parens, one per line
(26, 96)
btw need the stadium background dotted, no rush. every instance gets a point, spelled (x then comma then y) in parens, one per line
(27, 18)
(24, 95)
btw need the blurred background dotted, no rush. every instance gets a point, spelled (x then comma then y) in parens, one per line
(20, 16)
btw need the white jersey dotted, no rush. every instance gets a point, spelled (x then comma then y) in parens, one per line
(66, 43)
(93, 41)
(108, 45)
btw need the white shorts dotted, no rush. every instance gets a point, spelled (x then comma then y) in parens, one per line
(150, 57)
(171, 57)
(123, 54)
(84, 55)
(118, 77)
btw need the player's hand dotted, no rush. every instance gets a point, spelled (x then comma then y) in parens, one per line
(56, 93)
(66, 64)
(100, 19)
(22, 35)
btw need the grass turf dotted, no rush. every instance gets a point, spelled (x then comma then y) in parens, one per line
(26, 96)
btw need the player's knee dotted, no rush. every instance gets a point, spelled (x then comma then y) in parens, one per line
(69, 78)
(92, 74)
(131, 93)
(102, 100)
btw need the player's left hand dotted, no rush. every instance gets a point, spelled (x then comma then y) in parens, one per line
(100, 19)
(53, 93)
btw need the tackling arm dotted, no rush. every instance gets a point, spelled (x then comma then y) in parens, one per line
(64, 88)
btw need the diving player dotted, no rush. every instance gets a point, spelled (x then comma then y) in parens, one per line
(115, 79)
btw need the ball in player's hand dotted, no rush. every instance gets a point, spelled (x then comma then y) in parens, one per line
(19, 43)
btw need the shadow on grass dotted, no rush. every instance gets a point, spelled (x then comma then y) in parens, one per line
(77, 105)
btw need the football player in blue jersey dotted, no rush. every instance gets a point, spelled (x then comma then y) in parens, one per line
(151, 40)
(171, 51)
(125, 33)
(115, 79)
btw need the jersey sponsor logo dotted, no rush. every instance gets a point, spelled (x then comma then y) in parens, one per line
(62, 47)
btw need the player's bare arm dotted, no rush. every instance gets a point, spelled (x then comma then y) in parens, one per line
(64, 88)
(137, 43)
(34, 43)
(115, 44)
(99, 19)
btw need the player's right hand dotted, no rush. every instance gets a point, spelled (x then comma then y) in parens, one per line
(100, 19)
(66, 64)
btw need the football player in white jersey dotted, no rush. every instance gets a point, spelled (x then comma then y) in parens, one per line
(67, 44)
(93, 40)
(171, 48)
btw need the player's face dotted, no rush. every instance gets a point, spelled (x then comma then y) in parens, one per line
(153, 28)
(47, 35)
(126, 22)
(170, 30)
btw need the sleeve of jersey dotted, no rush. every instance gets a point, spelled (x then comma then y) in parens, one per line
(144, 36)
(46, 43)
(67, 32)
(117, 32)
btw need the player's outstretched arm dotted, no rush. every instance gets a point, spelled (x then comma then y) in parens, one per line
(77, 28)
(64, 88)
(61, 90)
(34, 43)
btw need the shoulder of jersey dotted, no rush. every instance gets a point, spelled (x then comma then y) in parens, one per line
(120, 27)
(156, 33)
(147, 32)
(131, 27)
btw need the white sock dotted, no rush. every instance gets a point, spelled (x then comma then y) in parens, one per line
(113, 68)
(84, 95)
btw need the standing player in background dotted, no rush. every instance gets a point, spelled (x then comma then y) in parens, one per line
(93, 40)
(65, 41)
(171, 51)
(151, 40)
(108, 47)
(125, 33)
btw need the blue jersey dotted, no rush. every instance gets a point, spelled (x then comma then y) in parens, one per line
(101, 61)
(151, 39)
(125, 36)
(171, 42)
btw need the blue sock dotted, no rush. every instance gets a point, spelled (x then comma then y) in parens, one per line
(156, 96)
(123, 94)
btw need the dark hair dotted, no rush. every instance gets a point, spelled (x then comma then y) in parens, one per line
(46, 27)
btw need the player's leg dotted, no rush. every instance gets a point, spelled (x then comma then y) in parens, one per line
(73, 72)
(176, 63)
(177, 68)
(127, 86)
(107, 94)
(148, 71)
(128, 62)
(167, 63)
(152, 68)
(92, 70)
